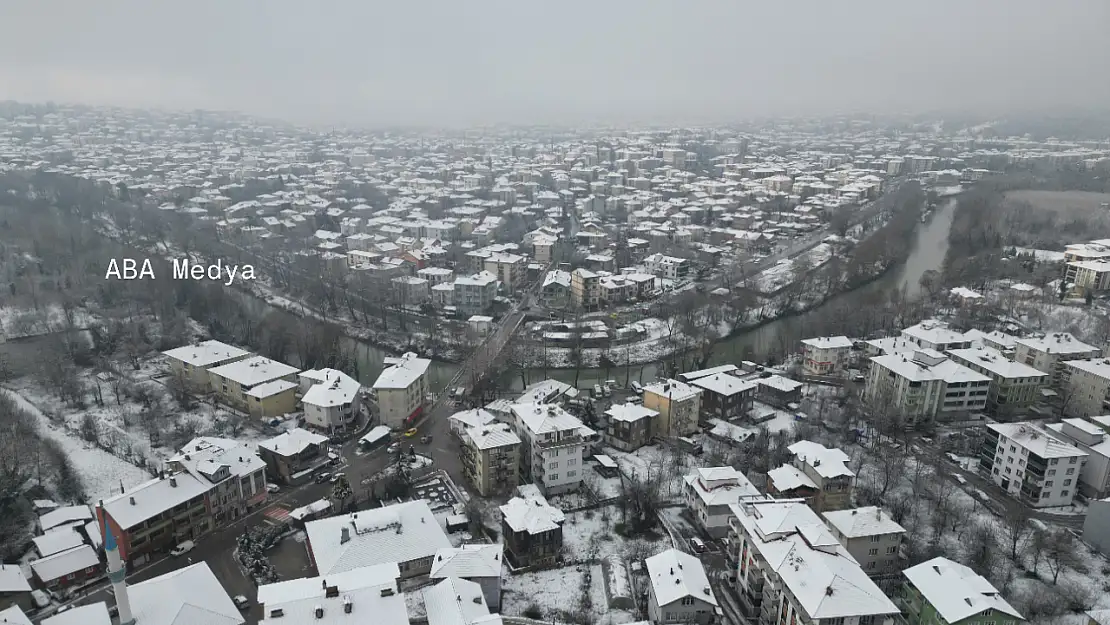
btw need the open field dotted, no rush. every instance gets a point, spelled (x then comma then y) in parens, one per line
(1063, 201)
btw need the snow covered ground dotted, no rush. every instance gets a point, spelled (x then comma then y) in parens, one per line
(101, 472)
(782, 274)
(1042, 255)
(558, 593)
(17, 322)
(782, 419)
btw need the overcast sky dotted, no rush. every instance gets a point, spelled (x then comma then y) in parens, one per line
(463, 62)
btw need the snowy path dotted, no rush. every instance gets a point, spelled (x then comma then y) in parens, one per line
(101, 472)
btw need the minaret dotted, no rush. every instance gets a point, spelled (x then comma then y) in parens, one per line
(116, 574)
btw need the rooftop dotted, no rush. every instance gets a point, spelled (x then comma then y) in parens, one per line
(371, 592)
(531, 513)
(336, 389)
(467, 561)
(455, 601)
(253, 371)
(672, 390)
(828, 342)
(1056, 343)
(154, 497)
(724, 384)
(402, 372)
(630, 412)
(955, 591)
(292, 442)
(65, 562)
(12, 579)
(206, 353)
(994, 361)
(399, 533)
(1036, 440)
(92, 614)
(859, 522)
(826, 462)
(188, 596)
(675, 575)
(718, 486)
(492, 436)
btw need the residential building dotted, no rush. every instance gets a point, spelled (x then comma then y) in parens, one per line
(779, 391)
(1085, 385)
(192, 362)
(190, 594)
(552, 446)
(935, 335)
(491, 459)
(629, 426)
(509, 269)
(708, 493)
(667, 267)
(234, 472)
(157, 515)
(410, 290)
(1014, 386)
(14, 588)
(585, 289)
(679, 590)
(1096, 527)
(461, 421)
(724, 396)
(825, 355)
(14, 615)
(943, 591)
(456, 601)
(293, 455)
(871, 537)
(330, 404)
(678, 405)
(232, 383)
(817, 474)
(65, 515)
(1093, 437)
(58, 540)
(406, 533)
(366, 594)
(1049, 352)
(474, 294)
(790, 568)
(926, 385)
(531, 528)
(72, 568)
(556, 289)
(1088, 276)
(89, 614)
(480, 564)
(1030, 464)
(401, 388)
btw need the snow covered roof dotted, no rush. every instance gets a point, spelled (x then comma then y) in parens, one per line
(1036, 440)
(630, 412)
(673, 390)
(955, 591)
(788, 477)
(467, 562)
(253, 371)
(399, 533)
(152, 498)
(14, 616)
(188, 596)
(57, 540)
(474, 417)
(545, 418)
(860, 522)
(1056, 343)
(92, 614)
(204, 455)
(724, 384)
(271, 388)
(780, 383)
(933, 332)
(292, 442)
(206, 353)
(371, 591)
(492, 435)
(717, 486)
(402, 372)
(336, 389)
(92, 531)
(61, 516)
(675, 575)
(457, 601)
(12, 579)
(65, 562)
(827, 462)
(690, 376)
(531, 513)
(828, 342)
(996, 363)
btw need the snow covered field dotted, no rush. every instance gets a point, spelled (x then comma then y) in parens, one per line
(559, 592)
(782, 274)
(17, 322)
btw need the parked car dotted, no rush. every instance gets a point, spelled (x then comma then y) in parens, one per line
(637, 387)
(393, 447)
(322, 477)
(272, 488)
(182, 549)
(596, 392)
(241, 602)
(697, 545)
(335, 478)
(409, 433)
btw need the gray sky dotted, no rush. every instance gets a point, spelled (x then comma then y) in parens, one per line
(464, 62)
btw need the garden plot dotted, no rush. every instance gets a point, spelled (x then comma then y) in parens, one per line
(589, 534)
(556, 596)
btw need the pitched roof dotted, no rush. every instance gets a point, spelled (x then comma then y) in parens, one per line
(187, 596)
(402, 372)
(532, 514)
(675, 575)
(56, 540)
(65, 562)
(399, 533)
(955, 591)
(92, 614)
(467, 561)
(297, 599)
(61, 516)
(457, 601)
(14, 616)
(153, 498)
(866, 521)
(12, 579)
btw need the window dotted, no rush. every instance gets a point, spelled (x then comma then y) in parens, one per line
(554, 476)
(892, 549)
(1065, 493)
(1013, 447)
(553, 465)
(1070, 471)
(875, 539)
(1010, 460)
(1051, 472)
(1048, 483)
(872, 552)
(1072, 460)
(687, 601)
(570, 462)
(1054, 461)
(1067, 482)
(570, 473)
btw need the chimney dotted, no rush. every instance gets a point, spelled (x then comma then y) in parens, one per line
(344, 535)
(347, 605)
(319, 612)
(173, 482)
(324, 583)
(132, 500)
(387, 592)
(478, 600)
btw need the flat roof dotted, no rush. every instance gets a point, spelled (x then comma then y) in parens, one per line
(254, 371)
(206, 353)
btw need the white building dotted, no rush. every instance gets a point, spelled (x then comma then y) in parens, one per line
(1047, 353)
(552, 446)
(1085, 385)
(1014, 386)
(667, 267)
(329, 404)
(825, 355)
(457, 601)
(480, 564)
(680, 590)
(709, 492)
(1030, 464)
(926, 385)
(870, 535)
(1093, 437)
(933, 334)
(956, 593)
(462, 421)
(401, 388)
(365, 594)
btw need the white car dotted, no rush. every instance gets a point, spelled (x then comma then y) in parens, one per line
(182, 549)
(241, 602)
(272, 488)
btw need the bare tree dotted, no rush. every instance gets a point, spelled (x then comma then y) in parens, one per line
(1060, 552)
(1015, 529)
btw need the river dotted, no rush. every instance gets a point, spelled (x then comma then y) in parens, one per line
(929, 248)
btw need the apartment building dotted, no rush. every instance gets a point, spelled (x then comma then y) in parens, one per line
(630, 426)
(331, 403)
(871, 537)
(936, 335)
(291, 456)
(410, 290)
(709, 492)
(678, 405)
(926, 385)
(943, 591)
(509, 269)
(791, 569)
(1030, 464)
(531, 528)
(155, 516)
(1093, 437)
(192, 362)
(1014, 386)
(552, 446)
(1085, 385)
(491, 459)
(725, 396)
(679, 590)
(401, 388)
(818, 475)
(480, 564)
(474, 294)
(257, 385)
(555, 292)
(825, 355)
(585, 289)
(1049, 352)
(667, 267)
(1088, 276)
(369, 593)
(234, 472)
